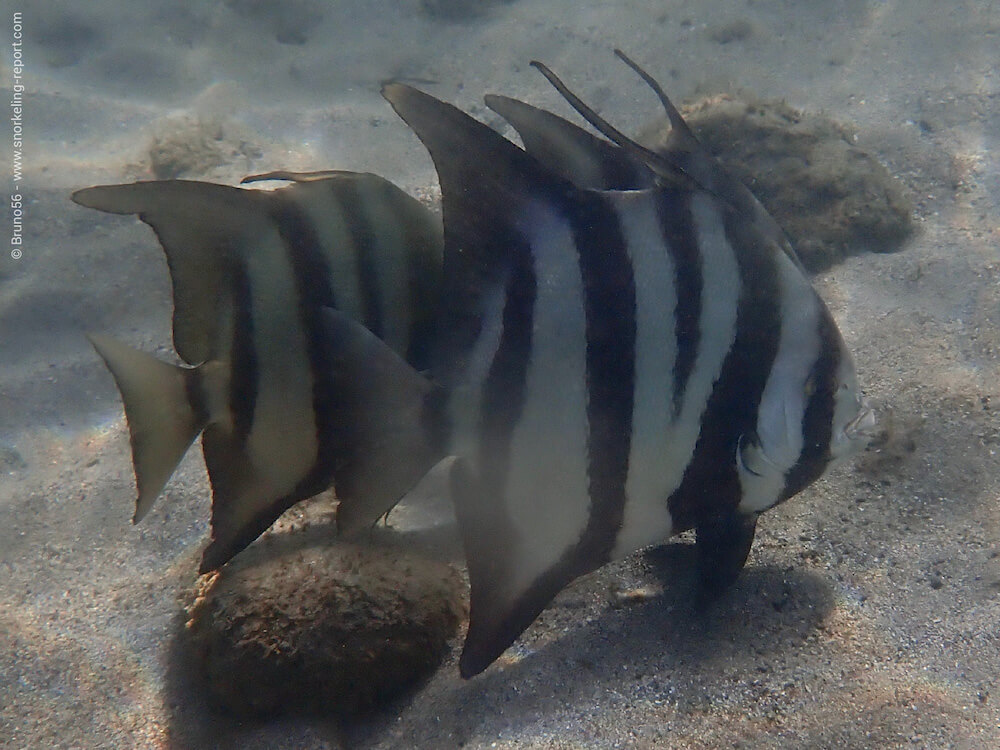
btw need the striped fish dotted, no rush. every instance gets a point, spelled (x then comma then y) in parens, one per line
(628, 350)
(252, 271)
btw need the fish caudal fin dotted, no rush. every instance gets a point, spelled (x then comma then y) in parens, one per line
(161, 419)
(388, 434)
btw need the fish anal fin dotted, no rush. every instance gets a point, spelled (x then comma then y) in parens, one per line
(383, 415)
(244, 503)
(505, 597)
(488, 540)
(162, 420)
(723, 547)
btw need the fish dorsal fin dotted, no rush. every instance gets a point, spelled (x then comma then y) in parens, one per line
(658, 163)
(485, 182)
(682, 154)
(681, 136)
(285, 175)
(688, 153)
(202, 227)
(584, 159)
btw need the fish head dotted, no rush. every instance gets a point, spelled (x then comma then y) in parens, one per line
(804, 427)
(854, 420)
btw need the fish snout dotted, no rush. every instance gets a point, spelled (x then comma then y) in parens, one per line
(864, 426)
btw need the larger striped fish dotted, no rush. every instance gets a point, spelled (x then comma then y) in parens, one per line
(252, 271)
(629, 351)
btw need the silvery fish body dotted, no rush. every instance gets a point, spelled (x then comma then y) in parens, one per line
(627, 350)
(252, 272)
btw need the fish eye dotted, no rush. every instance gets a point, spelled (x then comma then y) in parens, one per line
(810, 386)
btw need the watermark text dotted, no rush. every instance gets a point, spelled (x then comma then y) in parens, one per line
(15, 198)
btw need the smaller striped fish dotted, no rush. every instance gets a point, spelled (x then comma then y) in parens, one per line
(628, 349)
(252, 271)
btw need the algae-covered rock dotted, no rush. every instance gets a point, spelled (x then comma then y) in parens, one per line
(193, 146)
(332, 629)
(830, 196)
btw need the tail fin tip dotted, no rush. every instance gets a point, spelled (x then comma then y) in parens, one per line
(161, 419)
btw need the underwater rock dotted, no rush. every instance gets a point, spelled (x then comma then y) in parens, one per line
(291, 22)
(64, 38)
(734, 31)
(458, 10)
(11, 460)
(193, 146)
(831, 197)
(325, 630)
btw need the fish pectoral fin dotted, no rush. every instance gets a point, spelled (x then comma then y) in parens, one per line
(162, 422)
(385, 414)
(723, 546)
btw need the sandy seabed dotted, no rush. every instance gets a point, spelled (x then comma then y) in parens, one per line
(868, 614)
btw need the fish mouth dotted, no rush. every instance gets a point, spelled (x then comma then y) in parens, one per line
(864, 426)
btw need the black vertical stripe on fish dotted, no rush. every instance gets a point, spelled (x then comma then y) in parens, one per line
(314, 291)
(677, 226)
(711, 487)
(421, 297)
(504, 391)
(610, 307)
(197, 399)
(817, 421)
(420, 333)
(610, 310)
(365, 244)
(244, 372)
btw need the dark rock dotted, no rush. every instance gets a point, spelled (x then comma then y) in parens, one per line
(734, 31)
(332, 629)
(832, 198)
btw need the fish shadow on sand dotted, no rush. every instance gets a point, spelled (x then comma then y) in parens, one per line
(661, 647)
(657, 646)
